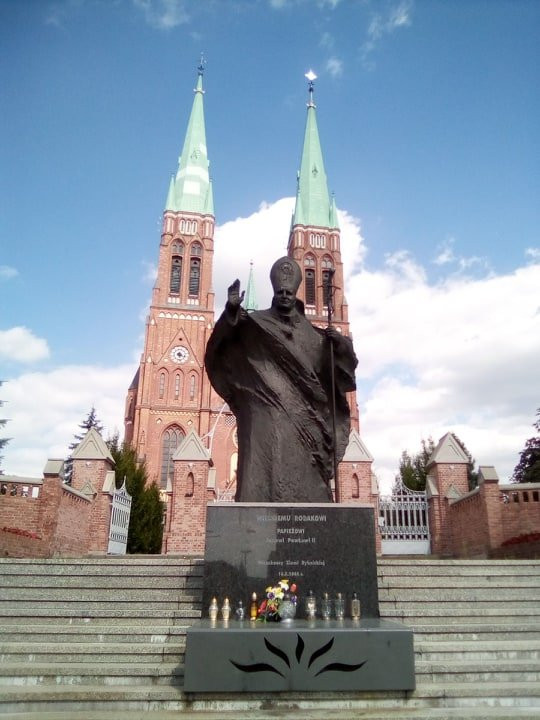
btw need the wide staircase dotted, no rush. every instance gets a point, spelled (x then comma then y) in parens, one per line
(104, 638)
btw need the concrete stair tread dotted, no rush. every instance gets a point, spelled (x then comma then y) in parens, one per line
(423, 609)
(84, 668)
(424, 690)
(475, 645)
(90, 647)
(475, 666)
(480, 582)
(138, 614)
(473, 713)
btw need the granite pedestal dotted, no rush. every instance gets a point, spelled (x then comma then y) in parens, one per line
(326, 548)
(301, 655)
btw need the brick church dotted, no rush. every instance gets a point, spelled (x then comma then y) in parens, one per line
(177, 423)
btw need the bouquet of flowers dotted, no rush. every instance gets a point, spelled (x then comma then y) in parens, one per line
(279, 603)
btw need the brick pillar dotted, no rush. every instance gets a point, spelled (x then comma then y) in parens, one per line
(50, 497)
(488, 482)
(447, 480)
(358, 485)
(188, 495)
(186, 511)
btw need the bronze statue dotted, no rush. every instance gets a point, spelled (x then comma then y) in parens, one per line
(273, 369)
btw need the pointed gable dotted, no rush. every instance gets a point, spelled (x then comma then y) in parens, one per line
(448, 451)
(356, 450)
(191, 449)
(92, 447)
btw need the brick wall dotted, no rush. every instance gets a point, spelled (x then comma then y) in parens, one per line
(55, 523)
(519, 510)
(483, 519)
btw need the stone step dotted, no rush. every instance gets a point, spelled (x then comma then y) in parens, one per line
(476, 631)
(90, 652)
(337, 713)
(477, 650)
(85, 673)
(161, 697)
(490, 582)
(456, 612)
(459, 671)
(145, 583)
(293, 713)
(59, 594)
(143, 632)
(428, 561)
(84, 614)
(104, 561)
(449, 593)
(89, 607)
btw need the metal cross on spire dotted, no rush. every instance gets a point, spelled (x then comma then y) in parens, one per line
(310, 75)
(202, 63)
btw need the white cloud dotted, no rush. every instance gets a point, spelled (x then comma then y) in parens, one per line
(381, 24)
(446, 255)
(7, 272)
(334, 66)
(163, 14)
(149, 272)
(533, 254)
(327, 40)
(20, 344)
(45, 410)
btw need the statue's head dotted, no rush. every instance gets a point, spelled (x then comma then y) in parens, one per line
(285, 277)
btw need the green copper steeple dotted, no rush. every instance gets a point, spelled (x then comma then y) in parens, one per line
(191, 188)
(251, 303)
(314, 206)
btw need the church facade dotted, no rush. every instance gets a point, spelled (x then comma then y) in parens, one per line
(173, 417)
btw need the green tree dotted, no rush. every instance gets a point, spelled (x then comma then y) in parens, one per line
(412, 469)
(528, 468)
(3, 441)
(146, 520)
(91, 421)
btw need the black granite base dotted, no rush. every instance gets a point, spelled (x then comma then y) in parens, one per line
(300, 655)
(325, 548)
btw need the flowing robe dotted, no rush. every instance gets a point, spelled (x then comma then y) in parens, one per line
(274, 372)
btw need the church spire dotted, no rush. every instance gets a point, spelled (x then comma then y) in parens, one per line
(251, 301)
(191, 188)
(314, 207)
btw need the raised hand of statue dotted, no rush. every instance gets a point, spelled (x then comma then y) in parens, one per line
(234, 297)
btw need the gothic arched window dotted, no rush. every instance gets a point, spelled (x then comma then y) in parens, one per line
(309, 278)
(176, 274)
(170, 440)
(177, 385)
(192, 386)
(161, 384)
(194, 276)
(190, 485)
(355, 492)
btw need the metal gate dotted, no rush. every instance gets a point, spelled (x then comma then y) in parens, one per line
(403, 522)
(120, 512)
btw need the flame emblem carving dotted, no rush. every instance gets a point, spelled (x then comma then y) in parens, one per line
(299, 653)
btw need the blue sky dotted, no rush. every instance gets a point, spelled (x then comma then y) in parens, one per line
(429, 118)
